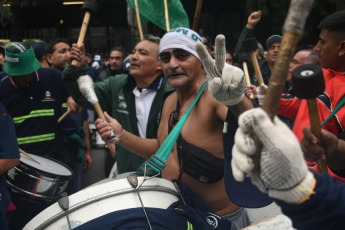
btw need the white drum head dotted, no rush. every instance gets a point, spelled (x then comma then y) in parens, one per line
(46, 165)
(104, 198)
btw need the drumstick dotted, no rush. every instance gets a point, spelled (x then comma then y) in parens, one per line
(251, 45)
(64, 115)
(89, 6)
(29, 156)
(197, 15)
(243, 58)
(86, 87)
(293, 28)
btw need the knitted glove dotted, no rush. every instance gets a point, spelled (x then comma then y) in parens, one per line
(226, 82)
(260, 90)
(283, 172)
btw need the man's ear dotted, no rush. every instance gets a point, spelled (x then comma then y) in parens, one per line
(342, 48)
(159, 67)
(49, 58)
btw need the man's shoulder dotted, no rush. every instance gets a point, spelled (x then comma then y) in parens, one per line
(330, 73)
(116, 82)
(171, 99)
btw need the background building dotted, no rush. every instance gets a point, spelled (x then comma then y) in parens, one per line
(115, 24)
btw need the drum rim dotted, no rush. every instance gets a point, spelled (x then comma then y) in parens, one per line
(30, 194)
(49, 173)
(75, 207)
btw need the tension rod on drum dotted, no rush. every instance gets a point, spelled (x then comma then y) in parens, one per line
(133, 181)
(64, 205)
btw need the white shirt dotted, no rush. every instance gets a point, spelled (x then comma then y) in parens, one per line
(143, 103)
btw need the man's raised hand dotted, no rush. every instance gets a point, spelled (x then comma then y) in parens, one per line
(226, 82)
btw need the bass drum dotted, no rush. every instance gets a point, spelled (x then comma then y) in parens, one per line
(103, 198)
(44, 181)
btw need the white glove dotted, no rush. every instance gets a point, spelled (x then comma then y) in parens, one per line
(283, 171)
(226, 82)
(261, 90)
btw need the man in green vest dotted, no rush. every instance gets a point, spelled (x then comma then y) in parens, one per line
(134, 99)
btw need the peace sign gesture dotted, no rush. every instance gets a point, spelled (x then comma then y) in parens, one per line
(226, 82)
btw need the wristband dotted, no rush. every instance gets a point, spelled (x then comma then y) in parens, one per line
(117, 137)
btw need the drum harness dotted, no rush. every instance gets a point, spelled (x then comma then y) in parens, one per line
(158, 161)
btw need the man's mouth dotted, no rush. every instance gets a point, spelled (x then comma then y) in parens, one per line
(175, 74)
(134, 65)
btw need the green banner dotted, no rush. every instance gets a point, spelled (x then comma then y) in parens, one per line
(153, 10)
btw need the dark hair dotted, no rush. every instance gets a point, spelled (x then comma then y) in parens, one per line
(152, 38)
(314, 57)
(335, 21)
(50, 48)
(120, 49)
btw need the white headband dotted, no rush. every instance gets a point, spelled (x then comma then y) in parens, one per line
(180, 38)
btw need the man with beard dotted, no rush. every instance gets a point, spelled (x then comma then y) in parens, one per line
(116, 58)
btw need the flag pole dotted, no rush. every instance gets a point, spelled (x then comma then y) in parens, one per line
(197, 15)
(138, 20)
(166, 15)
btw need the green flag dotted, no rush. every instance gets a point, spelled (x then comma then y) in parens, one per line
(153, 10)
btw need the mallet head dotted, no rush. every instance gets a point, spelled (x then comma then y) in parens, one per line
(308, 81)
(90, 6)
(249, 45)
(243, 57)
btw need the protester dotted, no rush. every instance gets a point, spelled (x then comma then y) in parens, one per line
(198, 158)
(311, 200)
(117, 56)
(272, 44)
(76, 151)
(33, 96)
(332, 57)
(57, 53)
(9, 158)
(40, 53)
(135, 99)
(228, 58)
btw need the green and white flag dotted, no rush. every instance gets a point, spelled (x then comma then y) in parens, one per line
(153, 10)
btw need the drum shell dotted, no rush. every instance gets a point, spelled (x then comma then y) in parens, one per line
(105, 197)
(37, 184)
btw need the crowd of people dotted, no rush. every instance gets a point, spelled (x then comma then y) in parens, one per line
(145, 94)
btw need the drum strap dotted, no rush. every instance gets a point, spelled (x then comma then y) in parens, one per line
(158, 161)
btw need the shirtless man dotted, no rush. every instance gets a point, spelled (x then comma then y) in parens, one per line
(200, 143)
